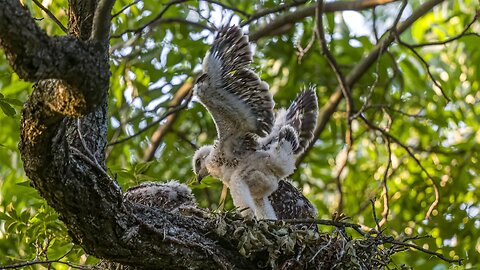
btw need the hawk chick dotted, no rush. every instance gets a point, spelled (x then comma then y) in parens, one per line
(254, 149)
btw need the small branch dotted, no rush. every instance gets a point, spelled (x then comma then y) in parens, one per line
(154, 123)
(300, 14)
(426, 65)
(125, 8)
(410, 245)
(372, 203)
(137, 31)
(360, 69)
(152, 21)
(36, 261)
(183, 94)
(406, 148)
(101, 21)
(386, 207)
(345, 88)
(462, 34)
(265, 12)
(328, 222)
(234, 9)
(50, 14)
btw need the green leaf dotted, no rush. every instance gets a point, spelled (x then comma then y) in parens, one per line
(13, 101)
(7, 109)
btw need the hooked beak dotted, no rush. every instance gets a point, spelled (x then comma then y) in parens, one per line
(200, 177)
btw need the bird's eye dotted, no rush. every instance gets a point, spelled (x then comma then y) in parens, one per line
(197, 163)
(201, 78)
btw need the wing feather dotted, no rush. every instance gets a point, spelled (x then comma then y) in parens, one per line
(301, 116)
(238, 100)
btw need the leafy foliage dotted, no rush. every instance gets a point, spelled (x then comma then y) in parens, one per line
(150, 66)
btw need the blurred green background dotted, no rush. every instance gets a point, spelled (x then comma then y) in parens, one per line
(396, 94)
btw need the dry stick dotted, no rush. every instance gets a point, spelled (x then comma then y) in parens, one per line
(410, 153)
(50, 14)
(361, 68)
(183, 94)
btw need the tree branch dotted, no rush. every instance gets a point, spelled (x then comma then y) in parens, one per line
(101, 21)
(289, 19)
(182, 95)
(50, 14)
(361, 68)
(35, 56)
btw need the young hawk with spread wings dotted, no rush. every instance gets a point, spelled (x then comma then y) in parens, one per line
(254, 150)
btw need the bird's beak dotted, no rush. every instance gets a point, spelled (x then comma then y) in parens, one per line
(199, 178)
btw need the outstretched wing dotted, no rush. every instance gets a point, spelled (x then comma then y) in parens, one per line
(238, 100)
(301, 116)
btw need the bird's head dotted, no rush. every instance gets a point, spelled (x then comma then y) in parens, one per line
(200, 84)
(199, 163)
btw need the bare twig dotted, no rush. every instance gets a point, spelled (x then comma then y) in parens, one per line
(410, 245)
(125, 8)
(386, 207)
(152, 21)
(462, 34)
(328, 222)
(406, 148)
(377, 225)
(37, 261)
(345, 88)
(102, 20)
(154, 123)
(265, 12)
(426, 65)
(225, 6)
(50, 14)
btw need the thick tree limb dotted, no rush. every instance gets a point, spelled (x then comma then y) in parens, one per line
(35, 56)
(101, 21)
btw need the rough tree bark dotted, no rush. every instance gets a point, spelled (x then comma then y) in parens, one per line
(63, 138)
(67, 166)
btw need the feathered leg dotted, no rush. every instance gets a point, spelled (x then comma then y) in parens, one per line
(264, 209)
(242, 197)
